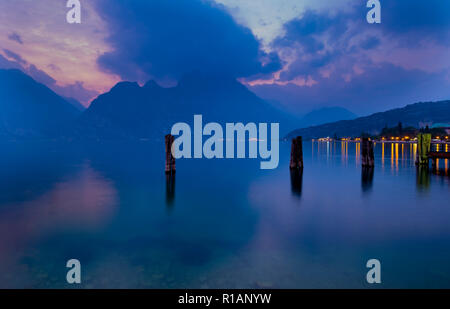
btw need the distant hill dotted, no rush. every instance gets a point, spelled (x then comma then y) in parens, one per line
(129, 110)
(414, 115)
(326, 115)
(30, 109)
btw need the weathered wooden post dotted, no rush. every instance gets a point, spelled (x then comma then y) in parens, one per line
(423, 148)
(170, 160)
(296, 153)
(367, 156)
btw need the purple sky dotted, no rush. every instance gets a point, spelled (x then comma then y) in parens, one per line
(301, 55)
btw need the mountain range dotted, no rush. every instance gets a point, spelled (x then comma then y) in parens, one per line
(414, 115)
(29, 109)
(129, 110)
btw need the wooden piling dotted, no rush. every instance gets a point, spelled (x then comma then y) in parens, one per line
(170, 160)
(367, 156)
(296, 153)
(423, 148)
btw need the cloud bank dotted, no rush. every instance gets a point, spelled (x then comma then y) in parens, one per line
(166, 39)
(337, 58)
(75, 91)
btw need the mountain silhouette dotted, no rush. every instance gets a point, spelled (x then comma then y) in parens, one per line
(29, 109)
(129, 110)
(414, 115)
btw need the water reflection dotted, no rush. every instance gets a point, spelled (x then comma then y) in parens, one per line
(170, 189)
(296, 182)
(344, 153)
(85, 201)
(358, 153)
(109, 205)
(423, 178)
(367, 178)
(436, 170)
(396, 157)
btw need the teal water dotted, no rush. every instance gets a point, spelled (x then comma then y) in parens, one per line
(221, 223)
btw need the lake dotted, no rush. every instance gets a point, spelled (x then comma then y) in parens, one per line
(220, 223)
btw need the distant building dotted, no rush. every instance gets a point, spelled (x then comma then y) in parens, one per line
(445, 126)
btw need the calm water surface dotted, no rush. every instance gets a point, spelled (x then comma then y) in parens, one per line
(220, 223)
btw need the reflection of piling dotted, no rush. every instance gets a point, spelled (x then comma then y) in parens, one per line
(367, 178)
(170, 188)
(423, 148)
(296, 153)
(367, 156)
(423, 177)
(170, 160)
(434, 163)
(296, 181)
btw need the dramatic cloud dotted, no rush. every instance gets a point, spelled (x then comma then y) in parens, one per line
(14, 56)
(267, 17)
(383, 87)
(76, 90)
(7, 64)
(303, 54)
(418, 18)
(337, 58)
(39, 33)
(166, 39)
(15, 37)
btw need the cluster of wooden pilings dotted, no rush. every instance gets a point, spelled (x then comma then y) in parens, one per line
(423, 149)
(424, 152)
(367, 154)
(296, 163)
